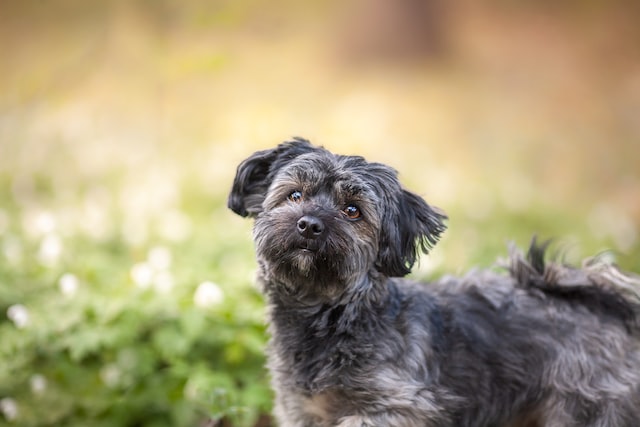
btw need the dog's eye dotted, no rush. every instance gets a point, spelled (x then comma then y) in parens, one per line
(296, 196)
(352, 212)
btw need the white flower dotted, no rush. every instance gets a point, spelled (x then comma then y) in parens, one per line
(9, 408)
(68, 284)
(142, 275)
(38, 383)
(208, 294)
(44, 222)
(154, 271)
(19, 315)
(110, 375)
(163, 282)
(50, 249)
(159, 258)
(38, 223)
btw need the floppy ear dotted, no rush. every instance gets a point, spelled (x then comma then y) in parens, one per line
(254, 175)
(408, 229)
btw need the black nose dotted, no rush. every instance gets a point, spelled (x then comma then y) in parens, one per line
(310, 227)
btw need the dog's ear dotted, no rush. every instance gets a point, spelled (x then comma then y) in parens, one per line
(254, 175)
(412, 227)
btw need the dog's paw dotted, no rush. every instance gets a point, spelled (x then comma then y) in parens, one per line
(353, 421)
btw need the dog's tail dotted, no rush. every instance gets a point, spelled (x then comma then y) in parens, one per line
(599, 284)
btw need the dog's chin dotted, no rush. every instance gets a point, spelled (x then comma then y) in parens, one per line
(305, 270)
(303, 261)
(305, 264)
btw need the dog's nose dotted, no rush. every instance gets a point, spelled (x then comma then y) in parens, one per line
(310, 227)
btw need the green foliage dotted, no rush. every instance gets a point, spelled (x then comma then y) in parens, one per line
(107, 333)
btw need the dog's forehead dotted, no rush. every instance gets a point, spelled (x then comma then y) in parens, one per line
(327, 170)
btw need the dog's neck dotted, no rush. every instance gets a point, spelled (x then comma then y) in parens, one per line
(315, 338)
(305, 294)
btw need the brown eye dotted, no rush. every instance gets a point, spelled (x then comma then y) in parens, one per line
(296, 196)
(352, 212)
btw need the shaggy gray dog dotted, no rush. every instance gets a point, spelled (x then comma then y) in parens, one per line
(353, 344)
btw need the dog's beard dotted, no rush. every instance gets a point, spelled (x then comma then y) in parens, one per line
(321, 267)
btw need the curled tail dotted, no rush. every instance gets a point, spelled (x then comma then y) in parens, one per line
(599, 284)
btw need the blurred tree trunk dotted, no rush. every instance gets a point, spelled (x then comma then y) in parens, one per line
(395, 30)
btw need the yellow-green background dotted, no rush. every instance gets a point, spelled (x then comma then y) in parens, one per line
(122, 122)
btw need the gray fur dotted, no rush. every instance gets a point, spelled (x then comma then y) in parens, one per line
(353, 344)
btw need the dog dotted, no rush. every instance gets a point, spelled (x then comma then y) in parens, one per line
(354, 344)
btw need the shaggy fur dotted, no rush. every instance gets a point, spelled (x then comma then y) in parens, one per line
(353, 344)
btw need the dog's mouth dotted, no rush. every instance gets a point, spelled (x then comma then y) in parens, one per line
(309, 247)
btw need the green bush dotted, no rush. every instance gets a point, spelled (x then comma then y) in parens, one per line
(103, 332)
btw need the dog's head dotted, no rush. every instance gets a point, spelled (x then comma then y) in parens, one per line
(328, 219)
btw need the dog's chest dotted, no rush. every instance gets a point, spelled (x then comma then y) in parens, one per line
(317, 367)
(316, 359)
(325, 409)
(321, 406)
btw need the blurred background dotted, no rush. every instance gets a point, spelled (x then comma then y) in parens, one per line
(126, 294)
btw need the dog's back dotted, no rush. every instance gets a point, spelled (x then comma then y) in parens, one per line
(549, 343)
